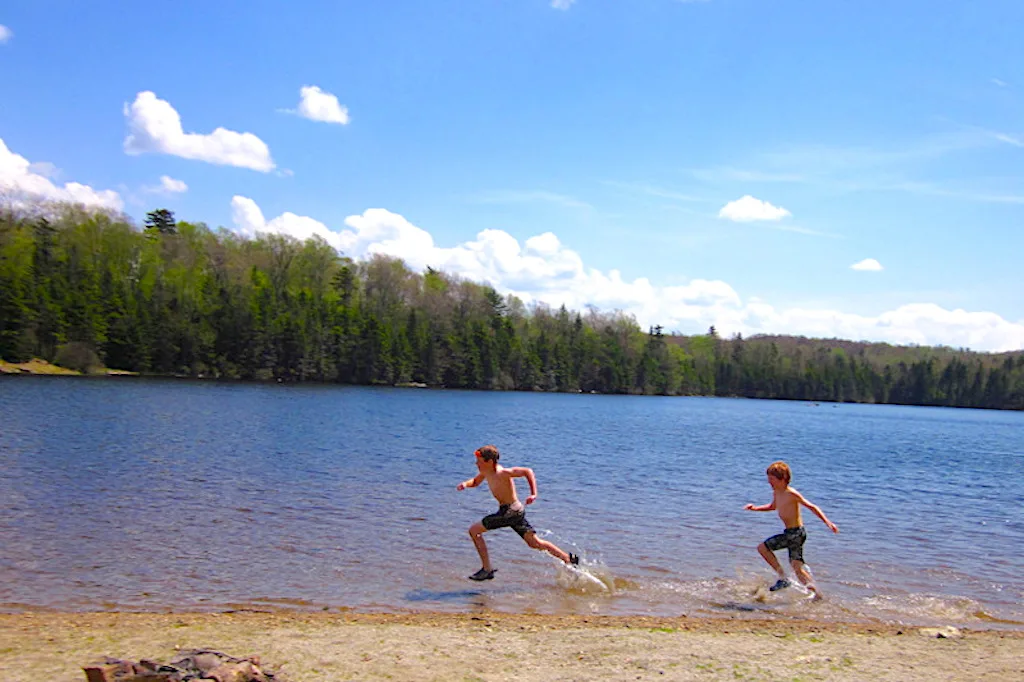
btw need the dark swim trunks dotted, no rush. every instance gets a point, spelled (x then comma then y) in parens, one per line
(792, 539)
(507, 517)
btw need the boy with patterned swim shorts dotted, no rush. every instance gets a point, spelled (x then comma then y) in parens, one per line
(511, 512)
(787, 502)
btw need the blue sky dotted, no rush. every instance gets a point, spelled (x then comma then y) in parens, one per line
(720, 162)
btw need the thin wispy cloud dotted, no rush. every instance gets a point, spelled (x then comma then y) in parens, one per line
(799, 229)
(730, 174)
(1009, 139)
(526, 197)
(998, 82)
(930, 189)
(5, 34)
(562, 4)
(810, 161)
(866, 168)
(654, 191)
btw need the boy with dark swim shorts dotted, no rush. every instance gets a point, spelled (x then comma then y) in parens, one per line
(511, 512)
(787, 501)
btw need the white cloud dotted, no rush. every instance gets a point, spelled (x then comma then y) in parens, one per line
(528, 197)
(562, 4)
(168, 185)
(171, 185)
(317, 105)
(24, 179)
(5, 34)
(748, 209)
(543, 269)
(1009, 139)
(998, 82)
(154, 126)
(868, 264)
(249, 220)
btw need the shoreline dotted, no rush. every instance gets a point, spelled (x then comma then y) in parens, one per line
(42, 368)
(321, 647)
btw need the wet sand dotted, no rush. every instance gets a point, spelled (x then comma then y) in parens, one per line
(322, 647)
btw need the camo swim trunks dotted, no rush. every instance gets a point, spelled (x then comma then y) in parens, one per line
(792, 539)
(509, 516)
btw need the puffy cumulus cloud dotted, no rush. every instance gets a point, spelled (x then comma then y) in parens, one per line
(5, 34)
(317, 105)
(154, 126)
(248, 219)
(868, 264)
(748, 209)
(915, 323)
(542, 269)
(24, 180)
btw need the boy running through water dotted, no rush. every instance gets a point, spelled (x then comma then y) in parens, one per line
(787, 501)
(511, 512)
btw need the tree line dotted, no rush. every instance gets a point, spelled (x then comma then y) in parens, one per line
(85, 288)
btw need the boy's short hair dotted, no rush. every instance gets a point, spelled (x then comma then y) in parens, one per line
(780, 470)
(488, 453)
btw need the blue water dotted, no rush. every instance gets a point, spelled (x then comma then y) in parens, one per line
(137, 494)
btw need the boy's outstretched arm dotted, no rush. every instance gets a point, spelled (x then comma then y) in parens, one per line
(471, 483)
(817, 510)
(527, 472)
(760, 507)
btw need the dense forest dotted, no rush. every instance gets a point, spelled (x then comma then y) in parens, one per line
(89, 289)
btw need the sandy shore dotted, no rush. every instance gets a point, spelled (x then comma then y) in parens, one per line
(303, 647)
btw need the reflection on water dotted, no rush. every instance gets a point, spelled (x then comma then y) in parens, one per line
(137, 494)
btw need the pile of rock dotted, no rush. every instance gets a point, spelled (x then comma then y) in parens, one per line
(194, 665)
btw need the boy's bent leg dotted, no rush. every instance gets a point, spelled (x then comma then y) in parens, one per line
(476, 532)
(554, 550)
(769, 556)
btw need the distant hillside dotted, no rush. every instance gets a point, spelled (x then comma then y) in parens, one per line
(877, 353)
(796, 367)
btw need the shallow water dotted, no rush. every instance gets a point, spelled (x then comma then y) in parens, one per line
(150, 495)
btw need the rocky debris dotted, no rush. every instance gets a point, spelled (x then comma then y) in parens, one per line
(189, 666)
(945, 632)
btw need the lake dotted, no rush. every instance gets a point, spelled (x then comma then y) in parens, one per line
(138, 494)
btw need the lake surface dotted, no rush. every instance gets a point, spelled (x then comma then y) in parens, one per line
(138, 494)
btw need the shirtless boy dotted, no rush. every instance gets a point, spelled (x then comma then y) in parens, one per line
(787, 501)
(511, 512)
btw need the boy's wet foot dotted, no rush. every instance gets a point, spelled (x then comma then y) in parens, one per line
(483, 574)
(574, 559)
(782, 583)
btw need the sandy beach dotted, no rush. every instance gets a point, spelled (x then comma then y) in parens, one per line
(322, 647)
